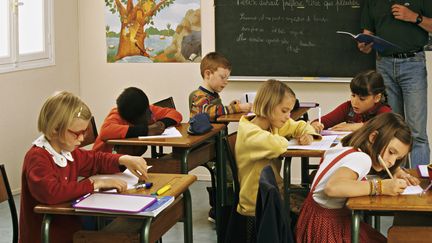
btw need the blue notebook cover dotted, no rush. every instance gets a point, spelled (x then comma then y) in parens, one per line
(379, 44)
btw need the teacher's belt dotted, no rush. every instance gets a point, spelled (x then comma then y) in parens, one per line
(402, 55)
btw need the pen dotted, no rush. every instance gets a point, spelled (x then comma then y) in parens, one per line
(162, 190)
(83, 197)
(427, 188)
(143, 185)
(384, 165)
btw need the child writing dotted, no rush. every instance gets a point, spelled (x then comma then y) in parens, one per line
(54, 162)
(323, 217)
(263, 138)
(134, 117)
(215, 70)
(368, 99)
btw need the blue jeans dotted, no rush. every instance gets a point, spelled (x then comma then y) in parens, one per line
(406, 85)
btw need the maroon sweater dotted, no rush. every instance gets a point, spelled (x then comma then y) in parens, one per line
(345, 113)
(44, 182)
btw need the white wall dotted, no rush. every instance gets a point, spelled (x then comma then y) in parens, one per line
(23, 93)
(101, 82)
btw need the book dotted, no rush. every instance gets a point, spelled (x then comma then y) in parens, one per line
(423, 171)
(170, 132)
(323, 144)
(152, 211)
(379, 44)
(113, 202)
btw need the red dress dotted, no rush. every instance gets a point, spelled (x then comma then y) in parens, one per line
(318, 224)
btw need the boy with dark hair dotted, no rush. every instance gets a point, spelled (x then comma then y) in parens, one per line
(134, 117)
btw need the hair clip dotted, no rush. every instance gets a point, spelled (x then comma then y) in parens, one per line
(79, 113)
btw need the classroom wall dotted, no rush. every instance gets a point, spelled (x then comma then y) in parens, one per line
(22, 93)
(101, 82)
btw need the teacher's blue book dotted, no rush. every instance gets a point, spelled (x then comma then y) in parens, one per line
(379, 44)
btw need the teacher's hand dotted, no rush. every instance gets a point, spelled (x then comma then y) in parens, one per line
(365, 48)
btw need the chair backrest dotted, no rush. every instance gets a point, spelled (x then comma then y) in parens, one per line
(271, 221)
(91, 133)
(167, 103)
(6, 195)
(229, 147)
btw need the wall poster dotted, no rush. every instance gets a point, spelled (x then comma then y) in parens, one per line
(153, 31)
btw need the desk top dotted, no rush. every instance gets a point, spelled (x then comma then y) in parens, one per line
(295, 115)
(394, 203)
(186, 141)
(179, 183)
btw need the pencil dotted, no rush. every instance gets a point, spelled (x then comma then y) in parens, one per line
(319, 114)
(384, 165)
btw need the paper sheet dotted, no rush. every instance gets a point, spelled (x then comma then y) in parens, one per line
(412, 190)
(127, 176)
(324, 144)
(170, 132)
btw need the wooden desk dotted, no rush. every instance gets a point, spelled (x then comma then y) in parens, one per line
(401, 203)
(179, 186)
(192, 151)
(295, 115)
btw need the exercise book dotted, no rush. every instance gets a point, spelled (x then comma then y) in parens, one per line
(113, 202)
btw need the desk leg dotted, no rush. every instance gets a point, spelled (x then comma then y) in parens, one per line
(287, 182)
(187, 224)
(45, 228)
(184, 165)
(355, 226)
(221, 189)
(145, 230)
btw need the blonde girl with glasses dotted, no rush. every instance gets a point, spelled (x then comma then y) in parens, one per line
(54, 162)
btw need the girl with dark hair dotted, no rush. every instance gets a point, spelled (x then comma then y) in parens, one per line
(368, 99)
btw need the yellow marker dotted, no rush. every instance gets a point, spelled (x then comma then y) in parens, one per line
(163, 190)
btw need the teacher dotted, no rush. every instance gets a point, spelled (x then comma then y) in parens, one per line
(405, 23)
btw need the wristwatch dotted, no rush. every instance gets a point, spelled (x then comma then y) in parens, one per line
(419, 19)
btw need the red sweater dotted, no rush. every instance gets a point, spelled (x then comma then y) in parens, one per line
(345, 113)
(44, 182)
(115, 127)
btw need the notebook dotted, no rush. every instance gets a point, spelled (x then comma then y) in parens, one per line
(151, 211)
(170, 132)
(113, 202)
(423, 170)
(324, 144)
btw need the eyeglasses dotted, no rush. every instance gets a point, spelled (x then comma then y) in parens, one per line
(78, 133)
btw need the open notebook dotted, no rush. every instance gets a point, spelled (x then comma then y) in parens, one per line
(113, 202)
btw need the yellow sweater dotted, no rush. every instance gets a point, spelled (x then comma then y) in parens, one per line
(256, 148)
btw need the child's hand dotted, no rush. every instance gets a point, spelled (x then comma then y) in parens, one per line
(137, 165)
(410, 180)
(317, 126)
(347, 126)
(245, 107)
(235, 102)
(156, 128)
(108, 184)
(305, 139)
(393, 187)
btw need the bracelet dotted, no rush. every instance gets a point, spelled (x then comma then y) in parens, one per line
(380, 187)
(375, 183)
(371, 187)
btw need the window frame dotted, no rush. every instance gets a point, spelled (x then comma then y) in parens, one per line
(17, 62)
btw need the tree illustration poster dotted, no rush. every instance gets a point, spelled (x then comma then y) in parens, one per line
(153, 31)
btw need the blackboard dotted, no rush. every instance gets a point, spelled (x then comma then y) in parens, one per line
(290, 38)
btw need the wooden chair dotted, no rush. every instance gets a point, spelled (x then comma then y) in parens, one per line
(6, 194)
(167, 103)
(238, 229)
(91, 133)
